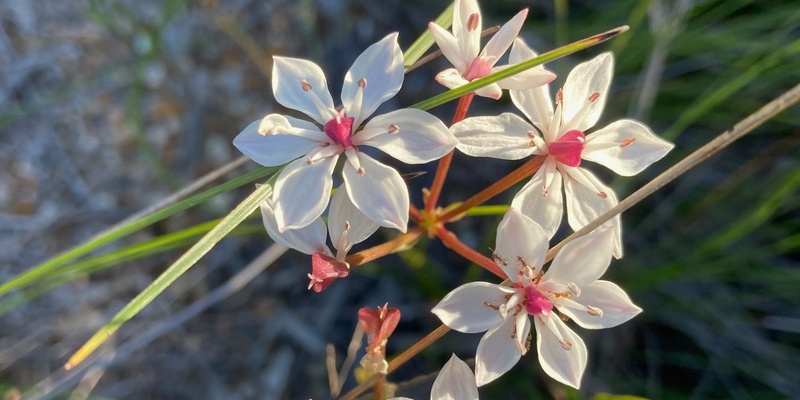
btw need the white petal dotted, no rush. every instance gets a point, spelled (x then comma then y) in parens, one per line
(380, 193)
(344, 212)
(381, 65)
(584, 204)
(464, 309)
(547, 210)
(504, 136)
(451, 78)
(530, 78)
(491, 91)
(519, 237)
(565, 366)
(309, 240)
(593, 76)
(287, 77)
(614, 303)
(497, 351)
(271, 150)
(454, 382)
(449, 46)
(302, 192)
(501, 40)
(536, 103)
(583, 260)
(421, 137)
(626, 147)
(468, 41)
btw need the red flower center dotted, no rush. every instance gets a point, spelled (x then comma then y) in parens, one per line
(340, 130)
(568, 148)
(536, 302)
(478, 69)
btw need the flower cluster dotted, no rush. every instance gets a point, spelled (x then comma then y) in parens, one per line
(373, 195)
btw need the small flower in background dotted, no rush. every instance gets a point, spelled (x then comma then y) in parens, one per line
(625, 146)
(347, 226)
(570, 285)
(462, 49)
(303, 186)
(454, 382)
(379, 324)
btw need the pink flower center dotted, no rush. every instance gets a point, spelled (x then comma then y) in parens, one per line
(536, 302)
(478, 69)
(340, 130)
(568, 148)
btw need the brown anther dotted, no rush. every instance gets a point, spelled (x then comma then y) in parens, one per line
(544, 192)
(305, 85)
(627, 142)
(602, 195)
(559, 96)
(531, 134)
(594, 311)
(393, 129)
(361, 171)
(522, 261)
(347, 228)
(362, 83)
(593, 97)
(326, 144)
(472, 21)
(528, 342)
(496, 257)
(564, 318)
(492, 306)
(565, 345)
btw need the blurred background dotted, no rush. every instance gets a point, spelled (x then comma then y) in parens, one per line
(107, 107)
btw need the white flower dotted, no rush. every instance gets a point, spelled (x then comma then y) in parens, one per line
(625, 146)
(347, 226)
(570, 285)
(302, 189)
(462, 49)
(454, 382)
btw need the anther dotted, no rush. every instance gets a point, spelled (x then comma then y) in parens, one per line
(565, 345)
(559, 96)
(602, 195)
(347, 227)
(472, 21)
(496, 257)
(593, 97)
(361, 171)
(492, 306)
(575, 289)
(544, 192)
(393, 129)
(594, 311)
(362, 83)
(305, 85)
(627, 142)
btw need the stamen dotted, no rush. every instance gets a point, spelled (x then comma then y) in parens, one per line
(496, 257)
(559, 96)
(305, 85)
(627, 142)
(564, 344)
(544, 192)
(492, 306)
(602, 195)
(393, 129)
(594, 311)
(594, 96)
(472, 21)
(362, 83)
(575, 289)
(361, 171)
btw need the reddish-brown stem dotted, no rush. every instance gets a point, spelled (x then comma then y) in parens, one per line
(527, 169)
(390, 247)
(444, 162)
(414, 213)
(451, 241)
(380, 389)
(402, 358)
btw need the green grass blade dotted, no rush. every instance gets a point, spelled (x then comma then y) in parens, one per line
(425, 41)
(48, 267)
(484, 211)
(186, 261)
(550, 56)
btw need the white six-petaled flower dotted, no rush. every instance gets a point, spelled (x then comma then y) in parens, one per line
(570, 285)
(302, 190)
(625, 146)
(462, 49)
(347, 226)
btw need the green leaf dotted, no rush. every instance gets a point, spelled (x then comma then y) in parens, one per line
(550, 56)
(425, 41)
(186, 261)
(49, 267)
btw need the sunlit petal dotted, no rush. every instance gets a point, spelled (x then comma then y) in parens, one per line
(565, 366)
(586, 79)
(583, 260)
(505, 136)
(302, 192)
(411, 136)
(613, 303)
(344, 215)
(519, 240)
(626, 147)
(381, 67)
(465, 310)
(379, 192)
(497, 351)
(288, 75)
(543, 204)
(454, 382)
